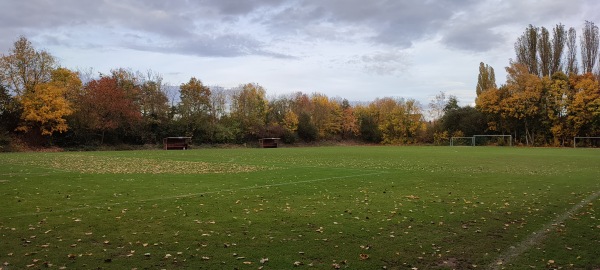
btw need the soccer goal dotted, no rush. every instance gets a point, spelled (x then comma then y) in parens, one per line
(586, 141)
(496, 140)
(462, 141)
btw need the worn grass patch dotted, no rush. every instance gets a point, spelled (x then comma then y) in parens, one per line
(128, 165)
(302, 208)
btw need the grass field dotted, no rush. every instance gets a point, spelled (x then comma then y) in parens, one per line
(319, 208)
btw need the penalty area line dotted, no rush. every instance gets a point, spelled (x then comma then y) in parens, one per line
(537, 236)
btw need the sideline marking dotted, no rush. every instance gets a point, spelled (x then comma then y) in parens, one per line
(537, 236)
(193, 194)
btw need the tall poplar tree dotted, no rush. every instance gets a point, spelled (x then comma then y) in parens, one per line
(559, 38)
(590, 41)
(544, 47)
(526, 49)
(571, 59)
(486, 79)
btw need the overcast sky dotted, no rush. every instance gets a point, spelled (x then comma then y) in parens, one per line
(354, 49)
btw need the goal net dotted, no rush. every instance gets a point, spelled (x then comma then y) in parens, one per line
(462, 141)
(493, 140)
(586, 142)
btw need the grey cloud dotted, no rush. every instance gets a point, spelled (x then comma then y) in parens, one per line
(228, 45)
(472, 37)
(463, 24)
(383, 63)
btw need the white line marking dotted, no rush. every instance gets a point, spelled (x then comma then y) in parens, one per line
(537, 236)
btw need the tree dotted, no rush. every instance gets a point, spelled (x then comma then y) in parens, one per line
(350, 127)
(526, 49)
(524, 99)
(452, 104)
(45, 108)
(486, 78)
(399, 120)
(557, 100)
(559, 38)
(544, 47)
(249, 108)
(326, 116)
(108, 107)
(307, 131)
(437, 104)
(584, 110)
(368, 122)
(194, 108)
(24, 67)
(571, 59)
(590, 41)
(9, 114)
(490, 103)
(154, 106)
(466, 119)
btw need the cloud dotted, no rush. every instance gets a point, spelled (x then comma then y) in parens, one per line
(392, 62)
(226, 45)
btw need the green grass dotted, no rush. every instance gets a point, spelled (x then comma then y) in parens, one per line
(319, 208)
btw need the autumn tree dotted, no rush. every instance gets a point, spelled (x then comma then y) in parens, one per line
(108, 107)
(590, 41)
(524, 99)
(486, 78)
(557, 100)
(584, 110)
(350, 127)
(154, 107)
(194, 108)
(249, 109)
(399, 120)
(491, 104)
(326, 116)
(24, 67)
(45, 109)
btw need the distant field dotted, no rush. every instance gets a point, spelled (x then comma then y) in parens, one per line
(319, 208)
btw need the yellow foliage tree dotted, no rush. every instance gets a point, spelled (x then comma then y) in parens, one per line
(45, 108)
(290, 121)
(584, 110)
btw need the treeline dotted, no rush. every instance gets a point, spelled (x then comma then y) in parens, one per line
(546, 99)
(45, 104)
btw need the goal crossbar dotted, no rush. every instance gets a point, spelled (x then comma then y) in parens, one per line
(575, 140)
(509, 138)
(472, 140)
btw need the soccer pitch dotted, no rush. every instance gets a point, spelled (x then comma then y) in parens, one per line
(320, 208)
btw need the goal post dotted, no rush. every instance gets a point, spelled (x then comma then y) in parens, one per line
(503, 137)
(593, 141)
(453, 139)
